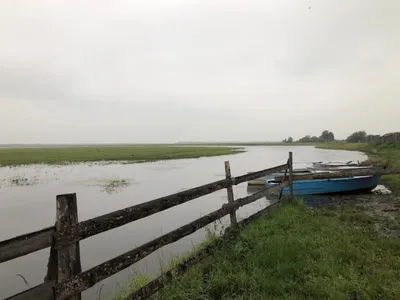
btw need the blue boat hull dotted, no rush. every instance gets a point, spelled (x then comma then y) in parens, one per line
(331, 185)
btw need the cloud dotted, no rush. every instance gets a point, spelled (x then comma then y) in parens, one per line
(196, 70)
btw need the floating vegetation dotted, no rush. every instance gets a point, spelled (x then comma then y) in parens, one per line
(21, 181)
(115, 186)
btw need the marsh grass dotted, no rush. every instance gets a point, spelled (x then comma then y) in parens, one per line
(115, 185)
(20, 181)
(65, 155)
(343, 146)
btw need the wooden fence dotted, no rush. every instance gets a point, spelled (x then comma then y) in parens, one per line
(65, 278)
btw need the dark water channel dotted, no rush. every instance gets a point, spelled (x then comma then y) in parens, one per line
(27, 203)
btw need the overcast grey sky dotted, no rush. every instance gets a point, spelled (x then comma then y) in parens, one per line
(166, 71)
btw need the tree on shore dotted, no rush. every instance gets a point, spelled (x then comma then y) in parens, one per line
(326, 136)
(288, 140)
(308, 139)
(357, 137)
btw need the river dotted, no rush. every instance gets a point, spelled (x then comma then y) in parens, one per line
(27, 203)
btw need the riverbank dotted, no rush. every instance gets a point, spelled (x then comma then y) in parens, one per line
(387, 154)
(131, 154)
(302, 253)
(347, 251)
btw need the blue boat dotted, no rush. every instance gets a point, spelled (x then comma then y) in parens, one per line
(330, 185)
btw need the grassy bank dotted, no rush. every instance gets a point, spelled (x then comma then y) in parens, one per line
(299, 253)
(62, 155)
(378, 154)
(343, 146)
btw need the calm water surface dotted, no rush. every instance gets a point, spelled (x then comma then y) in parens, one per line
(32, 207)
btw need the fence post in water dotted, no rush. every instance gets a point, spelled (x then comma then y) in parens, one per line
(69, 259)
(230, 192)
(290, 174)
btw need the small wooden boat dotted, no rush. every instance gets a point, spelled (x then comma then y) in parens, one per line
(331, 185)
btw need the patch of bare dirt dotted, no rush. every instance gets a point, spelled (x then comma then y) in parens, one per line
(386, 208)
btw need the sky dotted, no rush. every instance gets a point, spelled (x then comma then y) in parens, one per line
(180, 70)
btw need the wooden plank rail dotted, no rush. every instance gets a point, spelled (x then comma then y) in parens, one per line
(341, 174)
(26, 243)
(127, 215)
(87, 279)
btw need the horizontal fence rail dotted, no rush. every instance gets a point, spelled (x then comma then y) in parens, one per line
(65, 281)
(124, 216)
(26, 243)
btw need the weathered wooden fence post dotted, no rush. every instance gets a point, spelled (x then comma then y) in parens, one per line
(290, 174)
(69, 259)
(229, 190)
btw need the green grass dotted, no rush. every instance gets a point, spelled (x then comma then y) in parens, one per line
(343, 146)
(298, 253)
(62, 155)
(388, 154)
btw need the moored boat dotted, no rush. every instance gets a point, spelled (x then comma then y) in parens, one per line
(312, 186)
(330, 185)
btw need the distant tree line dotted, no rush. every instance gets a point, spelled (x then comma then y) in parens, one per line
(360, 136)
(325, 137)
